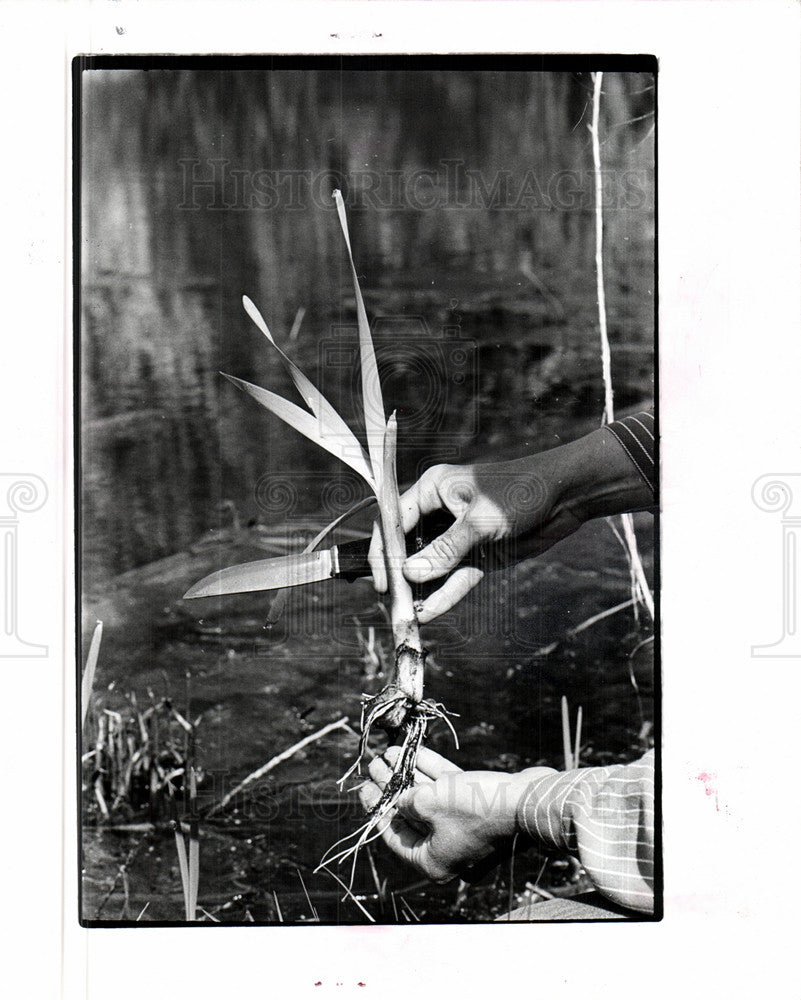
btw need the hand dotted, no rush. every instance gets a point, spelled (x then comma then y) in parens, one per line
(490, 503)
(449, 819)
(540, 499)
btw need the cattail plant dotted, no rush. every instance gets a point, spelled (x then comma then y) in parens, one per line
(400, 707)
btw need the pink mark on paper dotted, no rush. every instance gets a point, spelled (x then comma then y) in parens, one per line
(708, 780)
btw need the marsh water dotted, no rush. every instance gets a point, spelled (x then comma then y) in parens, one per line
(485, 320)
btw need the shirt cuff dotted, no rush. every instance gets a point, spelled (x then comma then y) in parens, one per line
(637, 436)
(540, 812)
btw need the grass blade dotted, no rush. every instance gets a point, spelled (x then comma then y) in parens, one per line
(408, 909)
(293, 333)
(180, 847)
(380, 890)
(194, 870)
(312, 907)
(88, 679)
(330, 423)
(349, 895)
(372, 399)
(308, 425)
(194, 838)
(284, 755)
(566, 736)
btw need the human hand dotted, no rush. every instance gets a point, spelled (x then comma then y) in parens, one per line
(449, 819)
(490, 503)
(539, 500)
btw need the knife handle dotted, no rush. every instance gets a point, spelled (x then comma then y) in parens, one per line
(352, 556)
(353, 562)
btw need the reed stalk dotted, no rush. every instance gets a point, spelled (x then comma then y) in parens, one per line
(577, 744)
(566, 750)
(194, 841)
(88, 679)
(183, 865)
(641, 592)
(409, 654)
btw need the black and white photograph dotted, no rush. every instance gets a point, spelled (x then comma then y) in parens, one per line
(368, 484)
(399, 498)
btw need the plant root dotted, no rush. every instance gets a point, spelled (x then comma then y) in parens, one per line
(415, 723)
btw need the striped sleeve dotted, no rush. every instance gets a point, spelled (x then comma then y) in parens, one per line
(605, 816)
(637, 435)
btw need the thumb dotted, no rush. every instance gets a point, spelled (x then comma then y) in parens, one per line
(443, 554)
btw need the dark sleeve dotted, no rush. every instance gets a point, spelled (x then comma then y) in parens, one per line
(637, 435)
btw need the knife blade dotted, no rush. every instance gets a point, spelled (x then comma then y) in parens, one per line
(347, 561)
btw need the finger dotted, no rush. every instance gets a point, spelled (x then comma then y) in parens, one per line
(413, 846)
(417, 805)
(424, 497)
(457, 586)
(379, 772)
(433, 764)
(402, 838)
(429, 764)
(375, 557)
(410, 507)
(391, 755)
(443, 554)
(369, 795)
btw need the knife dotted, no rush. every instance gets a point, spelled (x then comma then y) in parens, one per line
(347, 561)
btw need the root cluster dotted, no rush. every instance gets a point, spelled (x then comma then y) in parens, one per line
(389, 704)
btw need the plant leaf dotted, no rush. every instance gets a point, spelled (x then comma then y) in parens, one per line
(330, 422)
(309, 425)
(88, 679)
(372, 399)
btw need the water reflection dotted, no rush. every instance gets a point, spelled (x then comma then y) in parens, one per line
(470, 201)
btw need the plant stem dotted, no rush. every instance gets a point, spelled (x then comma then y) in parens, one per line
(409, 654)
(568, 754)
(606, 357)
(639, 584)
